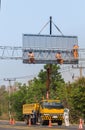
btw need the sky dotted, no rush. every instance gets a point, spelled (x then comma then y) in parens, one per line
(29, 16)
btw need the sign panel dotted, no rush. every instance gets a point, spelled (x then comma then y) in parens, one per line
(45, 47)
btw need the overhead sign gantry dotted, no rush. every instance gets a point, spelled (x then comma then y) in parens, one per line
(50, 49)
(45, 48)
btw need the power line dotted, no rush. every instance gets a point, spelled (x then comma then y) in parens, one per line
(20, 77)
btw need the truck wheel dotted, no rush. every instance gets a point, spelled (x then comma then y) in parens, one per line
(33, 121)
(59, 122)
(42, 122)
(45, 122)
(26, 121)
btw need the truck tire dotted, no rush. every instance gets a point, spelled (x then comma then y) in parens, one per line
(59, 122)
(45, 122)
(33, 121)
(26, 121)
(42, 122)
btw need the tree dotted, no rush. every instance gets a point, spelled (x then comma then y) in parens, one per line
(17, 100)
(3, 100)
(78, 97)
(55, 78)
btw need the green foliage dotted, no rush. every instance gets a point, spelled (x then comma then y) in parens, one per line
(73, 97)
(78, 97)
(35, 92)
(17, 99)
(3, 100)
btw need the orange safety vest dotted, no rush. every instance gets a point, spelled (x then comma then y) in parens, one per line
(75, 47)
(59, 58)
(75, 51)
(31, 57)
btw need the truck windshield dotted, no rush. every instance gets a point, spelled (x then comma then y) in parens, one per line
(52, 105)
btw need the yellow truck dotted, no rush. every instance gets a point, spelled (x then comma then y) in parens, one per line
(43, 112)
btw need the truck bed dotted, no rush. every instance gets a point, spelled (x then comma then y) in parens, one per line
(28, 108)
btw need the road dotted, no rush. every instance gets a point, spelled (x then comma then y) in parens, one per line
(4, 125)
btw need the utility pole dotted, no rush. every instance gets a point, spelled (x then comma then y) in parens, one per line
(80, 69)
(9, 91)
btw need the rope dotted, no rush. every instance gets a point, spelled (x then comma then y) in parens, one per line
(58, 29)
(43, 27)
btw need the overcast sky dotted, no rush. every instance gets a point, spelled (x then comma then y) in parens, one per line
(29, 16)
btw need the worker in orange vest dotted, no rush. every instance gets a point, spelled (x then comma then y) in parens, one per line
(75, 51)
(59, 58)
(31, 57)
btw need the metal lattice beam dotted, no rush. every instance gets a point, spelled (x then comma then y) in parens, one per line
(42, 56)
(8, 52)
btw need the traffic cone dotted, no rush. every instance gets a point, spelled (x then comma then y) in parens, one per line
(50, 123)
(13, 121)
(80, 124)
(10, 122)
(29, 123)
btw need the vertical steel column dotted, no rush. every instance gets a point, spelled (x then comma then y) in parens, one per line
(49, 68)
(50, 25)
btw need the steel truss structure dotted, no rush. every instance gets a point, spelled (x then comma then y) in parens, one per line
(45, 56)
(9, 52)
(16, 53)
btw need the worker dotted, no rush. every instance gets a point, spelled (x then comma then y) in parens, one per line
(34, 119)
(59, 58)
(75, 51)
(31, 57)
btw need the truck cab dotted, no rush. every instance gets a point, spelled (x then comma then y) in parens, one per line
(51, 110)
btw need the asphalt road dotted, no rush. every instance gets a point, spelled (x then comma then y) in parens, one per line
(4, 125)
